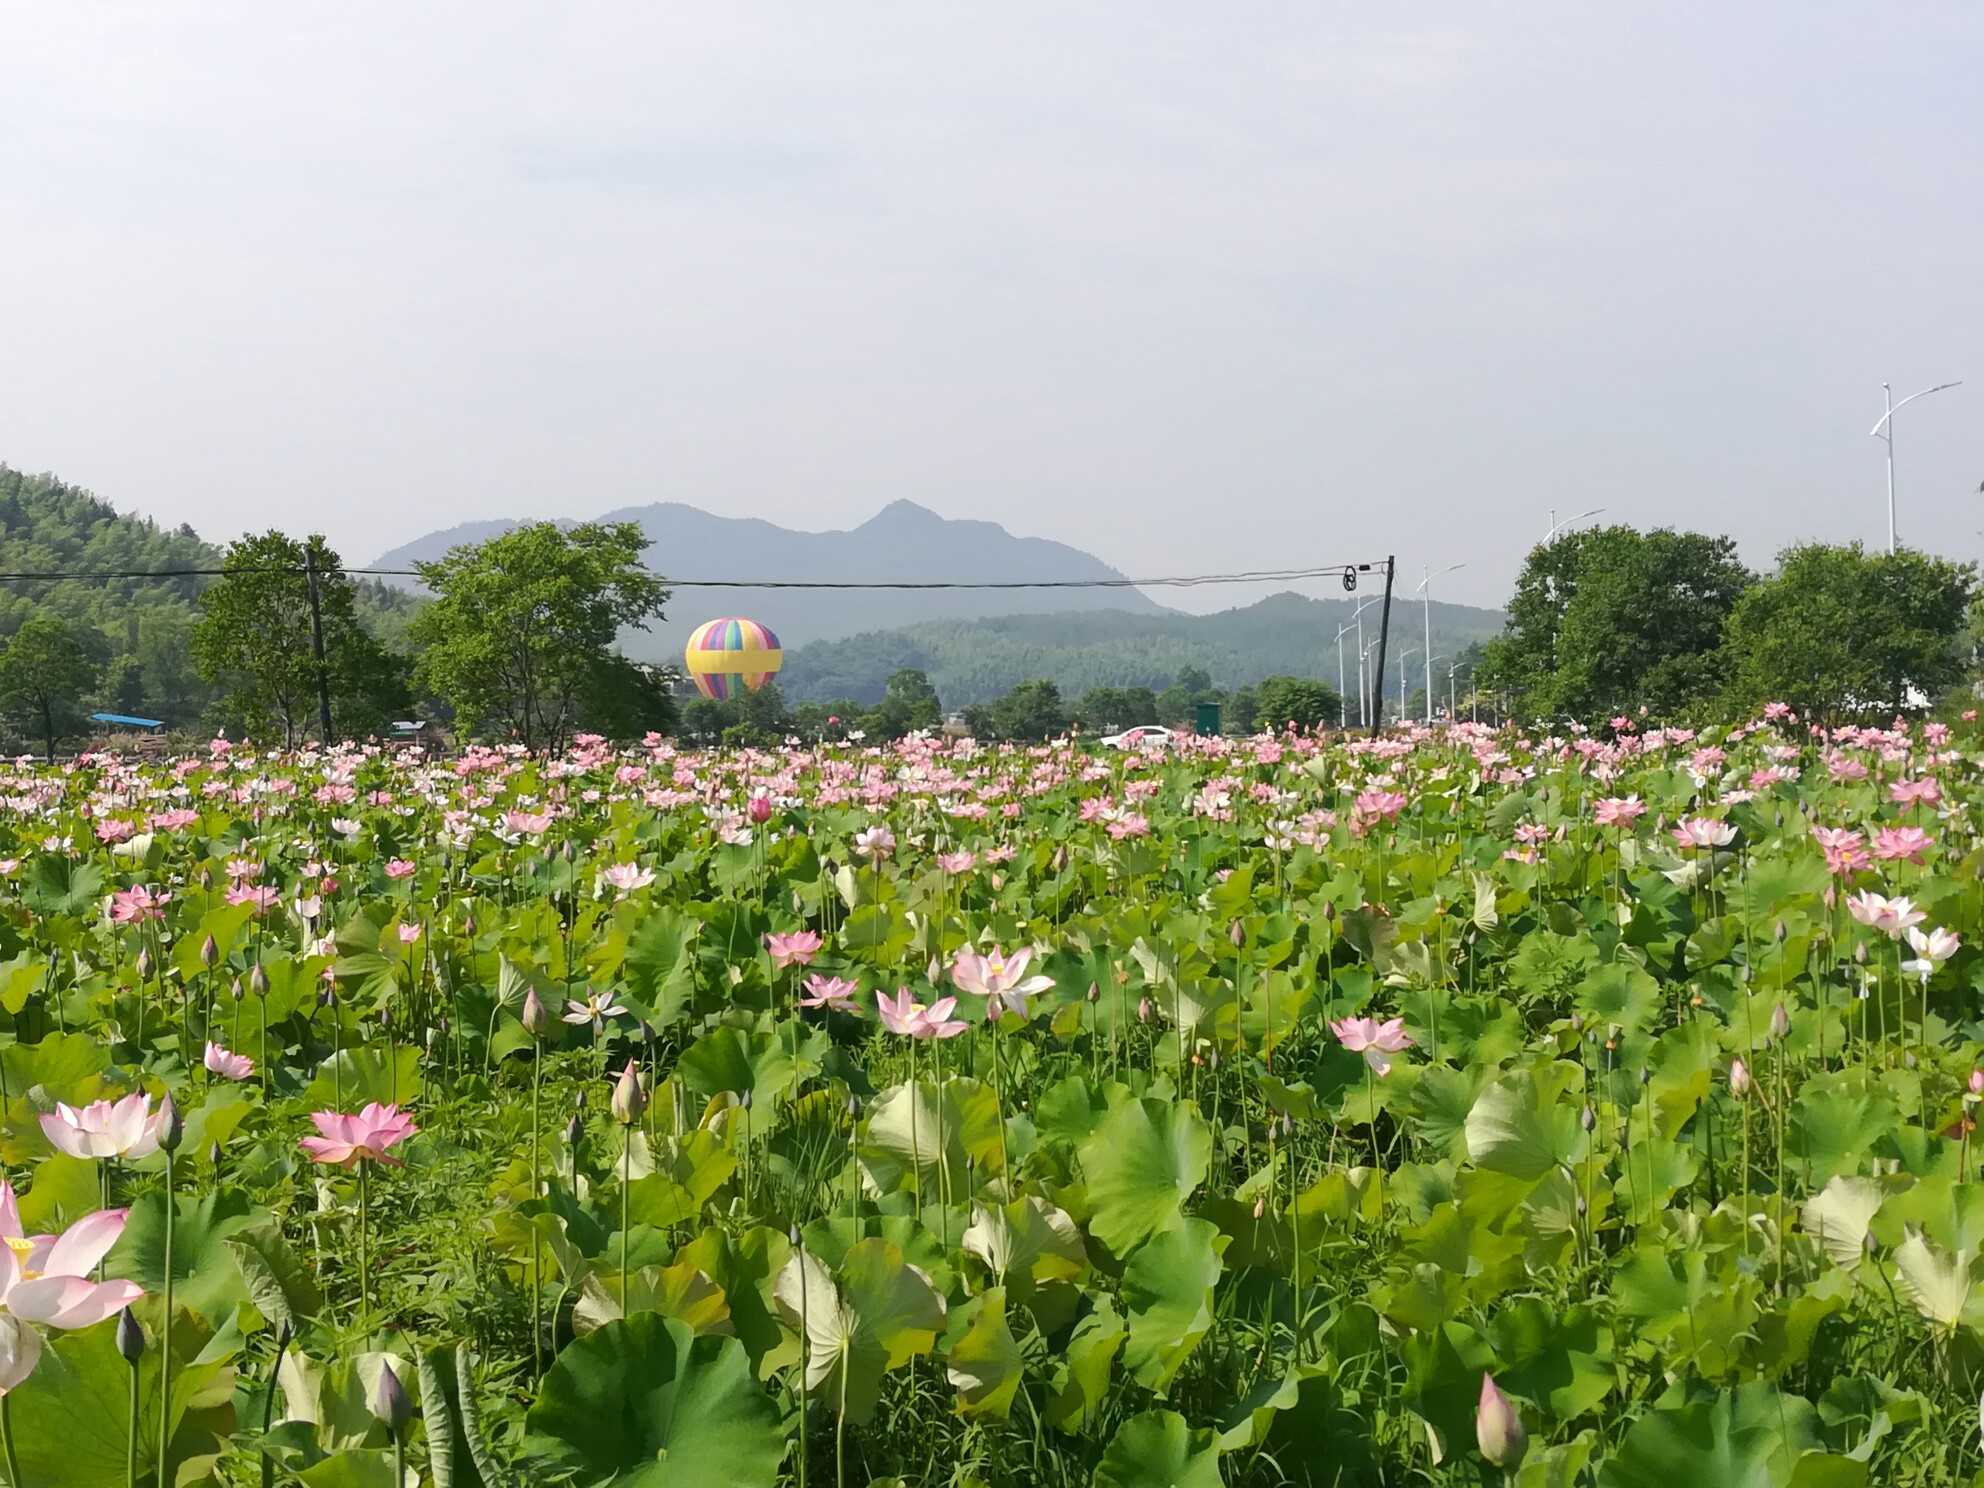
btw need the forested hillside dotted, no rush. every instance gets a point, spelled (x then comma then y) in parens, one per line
(976, 660)
(137, 630)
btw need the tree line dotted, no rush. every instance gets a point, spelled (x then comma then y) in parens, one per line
(1610, 620)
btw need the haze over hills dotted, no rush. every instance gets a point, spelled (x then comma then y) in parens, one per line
(974, 660)
(901, 543)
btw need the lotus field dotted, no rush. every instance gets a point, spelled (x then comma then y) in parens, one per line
(1455, 1107)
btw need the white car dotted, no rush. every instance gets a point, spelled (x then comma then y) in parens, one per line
(1145, 736)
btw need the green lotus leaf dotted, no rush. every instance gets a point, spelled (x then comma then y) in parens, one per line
(643, 1402)
(1159, 1450)
(1167, 1287)
(874, 1314)
(984, 1366)
(1143, 1162)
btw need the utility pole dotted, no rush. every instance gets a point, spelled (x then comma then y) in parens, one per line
(1384, 636)
(317, 644)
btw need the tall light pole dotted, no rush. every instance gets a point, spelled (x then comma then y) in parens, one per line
(1885, 430)
(1341, 632)
(1426, 604)
(1357, 624)
(1557, 526)
(1402, 694)
(1453, 705)
(1364, 685)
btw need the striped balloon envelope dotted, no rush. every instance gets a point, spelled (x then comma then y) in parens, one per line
(729, 656)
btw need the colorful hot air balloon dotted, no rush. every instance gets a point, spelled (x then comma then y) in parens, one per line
(730, 655)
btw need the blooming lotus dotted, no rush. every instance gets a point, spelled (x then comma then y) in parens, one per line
(872, 844)
(1618, 811)
(1931, 951)
(137, 905)
(829, 992)
(46, 1279)
(227, 1064)
(1376, 1041)
(125, 1128)
(624, 878)
(342, 1140)
(1892, 917)
(1000, 977)
(912, 1019)
(595, 1008)
(1703, 831)
(797, 949)
(1901, 844)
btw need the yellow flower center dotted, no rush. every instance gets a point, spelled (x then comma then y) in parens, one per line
(22, 1249)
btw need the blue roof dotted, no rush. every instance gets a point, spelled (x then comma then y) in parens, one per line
(127, 718)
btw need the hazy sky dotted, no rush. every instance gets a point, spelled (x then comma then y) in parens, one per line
(1197, 287)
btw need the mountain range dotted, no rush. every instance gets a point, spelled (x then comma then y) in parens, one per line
(902, 543)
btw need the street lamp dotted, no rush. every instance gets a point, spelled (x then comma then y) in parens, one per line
(1887, 420)
(1402, 694)
(1556, 526)
(1453, 706)
(1356, 624)
(1364, 684)
(1426, 603)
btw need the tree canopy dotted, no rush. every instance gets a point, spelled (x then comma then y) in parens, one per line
(520, 635)
(1608, 620)
(44, 675)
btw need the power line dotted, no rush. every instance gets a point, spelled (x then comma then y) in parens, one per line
(1345, 572)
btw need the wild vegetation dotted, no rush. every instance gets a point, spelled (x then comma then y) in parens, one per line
(1578, 1109)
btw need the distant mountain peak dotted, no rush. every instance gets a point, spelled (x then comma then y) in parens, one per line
(900, 515)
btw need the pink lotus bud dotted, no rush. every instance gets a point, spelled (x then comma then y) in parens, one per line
(1977, 1082)
(1739, 1079)
(1498, 1429)
(760, 809)
(1143, 1010)
(1238, 934)
(536, 1018)
(630, 1101)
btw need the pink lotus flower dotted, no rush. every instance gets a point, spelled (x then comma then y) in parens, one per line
(266, 897)
(829, 992)
(958, 862)
(1000, 977)
(46, 1279)
(1376, 1041)
(1896, 844)
(874, 844)
(1618, 811)
(226, 1064)
(1931, 951)
(398, 868)
(626, 877)
(797, 949)
(913, 1020)
(137, 904)
(128, 1128)
(595, 1008)
(1703, 831)
(369, 1136)
(536, 823)
(1909, 792)
(1891, 917)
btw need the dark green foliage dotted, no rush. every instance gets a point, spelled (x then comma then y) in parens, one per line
(1609, 620)
(254, 639)
(1030, 713)
(1839, 630)
(44, 675)
(520, 637)
(1302, 701)
(1109, 710)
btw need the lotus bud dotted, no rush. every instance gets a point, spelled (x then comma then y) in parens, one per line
(468, 925)
(1094, 992)
(630, 1101)
(536, 1018)
(1780, 1022)
(171, 1128)
(1213, 1059)
(143, 966)
(213, 1154)
(386, 1019)
(792, 1236)
(1498, 1429)
(1739, 1079)
(1260, 1206)
(284, 1334)
(1287, 1124)
(258, 980)
(389, 1401)
(1780, 932)
(1860, 954)
(1588, 1118)
(1237, 934)
(1143, 1010)
(575, 1131)
(130, 1338)
(745, 1100)
(760, 809)
(1977, 1082)
(209, 953)
(854, 1108)
(1646, 1075)
(234, 989)
(327, 996)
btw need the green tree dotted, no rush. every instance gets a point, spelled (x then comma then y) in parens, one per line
(1030, 713)
(520, 637)
(1110, 710)
(1839, 631)
(254, 639)
(1610, 619)
(1302, 701)
(45, 672)
(910, 703)
(758, 718)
